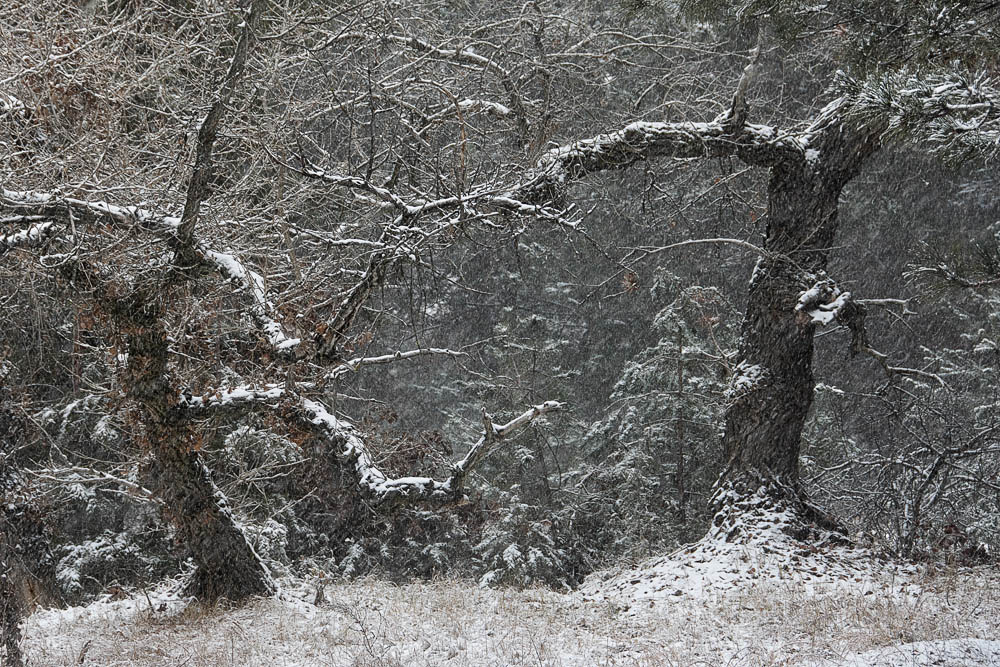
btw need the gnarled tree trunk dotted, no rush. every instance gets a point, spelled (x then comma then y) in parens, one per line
(227, 566)
(772, 389)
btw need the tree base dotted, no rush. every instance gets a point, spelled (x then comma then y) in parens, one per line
(764, 535)
(748, 507)
(234, 584)
(10, 617)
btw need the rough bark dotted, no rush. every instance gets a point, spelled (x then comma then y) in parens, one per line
(772, 389)
(227, 566)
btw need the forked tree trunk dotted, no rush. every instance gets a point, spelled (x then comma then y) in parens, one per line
(227, 566)
(772, 388)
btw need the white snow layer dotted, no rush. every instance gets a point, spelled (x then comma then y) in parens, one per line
(767, 601)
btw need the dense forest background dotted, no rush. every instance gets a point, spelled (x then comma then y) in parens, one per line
(342, 228)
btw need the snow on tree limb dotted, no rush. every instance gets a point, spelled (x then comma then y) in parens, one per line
(54, 205)
(353, 365)
(956, 113)
(11, 105)
(824, 303)
(231, 397)
(49, 206)
(31, 236)
(383, 490)
(487, 444)
(475, 200)
(261, 309)
(377, 486)
(755, 144)
(83, 475)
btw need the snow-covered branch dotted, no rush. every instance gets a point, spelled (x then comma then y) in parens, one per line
(11, 105)
(956, 113)
(261, 309)
(47, 207)
(755, 144)
(474, 201)
(824, 302)
(375, 484)
(383, 490)
(240, 396)
(353, 365)
(492, 435)
(55, 206)
(29, 237)
(80, 475)
(653, 250)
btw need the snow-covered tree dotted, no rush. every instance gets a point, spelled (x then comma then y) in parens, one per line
(241, 207)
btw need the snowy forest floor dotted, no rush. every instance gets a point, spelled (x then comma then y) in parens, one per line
(767, 602)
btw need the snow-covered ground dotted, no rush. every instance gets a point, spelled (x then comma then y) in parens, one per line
(767, 601)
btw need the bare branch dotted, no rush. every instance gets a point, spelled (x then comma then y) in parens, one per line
(197, 189)
(460, 55)
(81, 475)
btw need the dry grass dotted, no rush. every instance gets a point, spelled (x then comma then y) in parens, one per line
(370, 623)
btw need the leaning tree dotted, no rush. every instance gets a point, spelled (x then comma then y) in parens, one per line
(154, 325)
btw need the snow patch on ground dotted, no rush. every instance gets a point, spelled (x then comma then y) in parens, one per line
(946, 653)
(767, 600)
(763, 556)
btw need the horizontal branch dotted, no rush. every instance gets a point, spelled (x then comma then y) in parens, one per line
(652, 250)
(81, 475)
(353, 365)
(755, 144)
(31, 236)
(54, 205)
(944, 271)
(408, 210)
(238, 397)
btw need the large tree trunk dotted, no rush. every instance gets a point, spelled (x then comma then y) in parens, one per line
(227, 566)
(772, 388)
